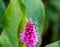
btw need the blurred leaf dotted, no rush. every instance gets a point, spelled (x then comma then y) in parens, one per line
(2, 9)
(54, 44)
(11, 20)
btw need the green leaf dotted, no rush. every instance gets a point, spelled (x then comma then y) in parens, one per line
(22, 24)
(11, 20)
(23, 7)
(21, 29)
(54, 44)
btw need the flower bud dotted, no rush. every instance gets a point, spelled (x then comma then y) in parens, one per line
(30, 37)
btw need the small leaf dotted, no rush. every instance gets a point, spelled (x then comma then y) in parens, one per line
(54, 44)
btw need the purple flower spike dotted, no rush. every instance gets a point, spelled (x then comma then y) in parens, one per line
(30, 37)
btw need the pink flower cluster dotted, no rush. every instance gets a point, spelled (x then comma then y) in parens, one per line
(30, 37)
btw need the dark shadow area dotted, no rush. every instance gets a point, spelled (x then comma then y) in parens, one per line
(47, 37)
(46, 2)
(1, 29)
(6, 2)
